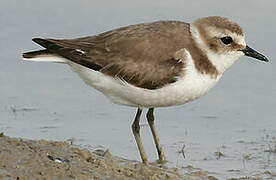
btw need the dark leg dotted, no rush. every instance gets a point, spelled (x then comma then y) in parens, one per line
(150, 118)
(136, 133)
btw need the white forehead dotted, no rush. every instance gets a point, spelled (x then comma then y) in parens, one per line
(219, 33)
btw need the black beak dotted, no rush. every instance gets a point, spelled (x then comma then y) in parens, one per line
(248, 51)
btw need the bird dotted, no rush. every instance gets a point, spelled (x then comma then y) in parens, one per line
(151, 65)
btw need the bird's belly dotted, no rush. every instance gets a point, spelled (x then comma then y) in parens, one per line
(180, 92)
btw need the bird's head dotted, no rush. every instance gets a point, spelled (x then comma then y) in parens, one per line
(222, 40)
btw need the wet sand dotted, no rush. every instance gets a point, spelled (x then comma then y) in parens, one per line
(41, 159)
(31, 159)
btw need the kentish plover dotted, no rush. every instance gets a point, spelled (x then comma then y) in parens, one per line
(151, 65)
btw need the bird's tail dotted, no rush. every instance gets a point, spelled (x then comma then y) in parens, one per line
(43, 55)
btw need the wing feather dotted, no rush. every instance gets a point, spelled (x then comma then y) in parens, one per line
(142, 55)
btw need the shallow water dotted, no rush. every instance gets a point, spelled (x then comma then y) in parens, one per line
(236, 118)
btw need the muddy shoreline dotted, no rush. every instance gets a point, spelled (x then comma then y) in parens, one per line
(40, 159)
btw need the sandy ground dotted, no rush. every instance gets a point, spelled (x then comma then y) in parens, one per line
(40, 159)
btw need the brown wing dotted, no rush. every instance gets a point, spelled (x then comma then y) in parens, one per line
(142, 55)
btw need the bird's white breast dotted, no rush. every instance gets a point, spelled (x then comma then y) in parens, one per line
(187, 88)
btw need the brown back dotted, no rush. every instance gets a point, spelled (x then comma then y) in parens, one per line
(144, 55)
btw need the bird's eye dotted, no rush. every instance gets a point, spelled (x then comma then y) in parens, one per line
(226, 40)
